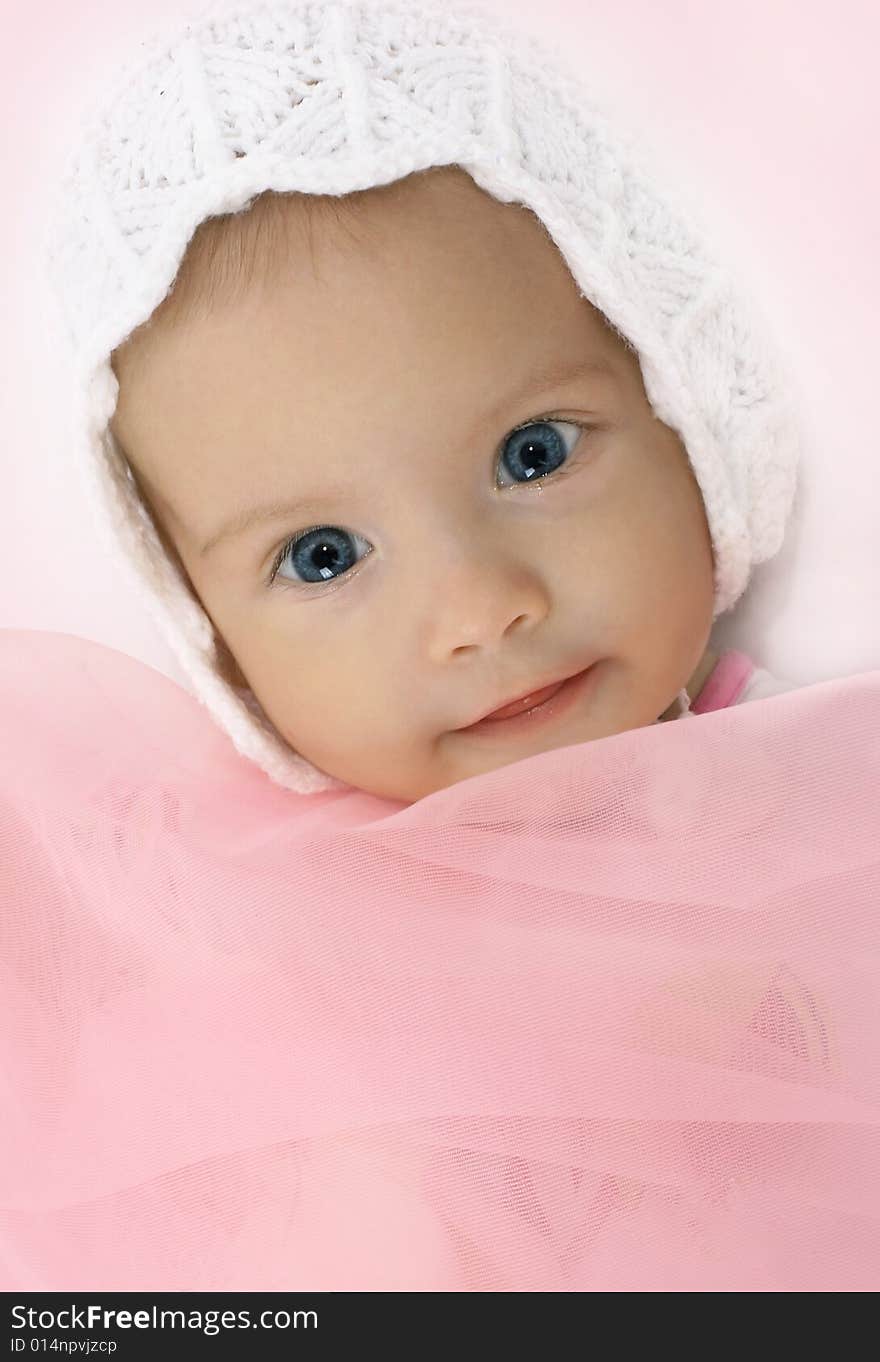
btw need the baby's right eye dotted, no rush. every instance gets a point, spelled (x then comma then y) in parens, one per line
(319, 554)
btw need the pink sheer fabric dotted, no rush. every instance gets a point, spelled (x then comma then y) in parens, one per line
(605, 1019)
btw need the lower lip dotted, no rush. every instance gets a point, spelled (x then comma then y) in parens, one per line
(530, 720)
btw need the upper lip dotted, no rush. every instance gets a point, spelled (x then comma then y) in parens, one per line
(521, 695)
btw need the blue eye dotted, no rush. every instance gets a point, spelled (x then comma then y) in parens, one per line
(320, 554)
(325, 553)
(536, 450)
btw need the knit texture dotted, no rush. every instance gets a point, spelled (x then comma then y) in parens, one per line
(338, 97)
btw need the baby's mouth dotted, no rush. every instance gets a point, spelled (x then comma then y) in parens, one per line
(528, 711)
(525, 702)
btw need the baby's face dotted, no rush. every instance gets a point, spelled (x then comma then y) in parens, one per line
(483, 497)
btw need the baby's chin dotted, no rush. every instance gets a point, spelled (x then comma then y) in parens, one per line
(599, 704)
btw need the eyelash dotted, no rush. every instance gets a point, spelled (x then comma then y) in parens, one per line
(570, 466)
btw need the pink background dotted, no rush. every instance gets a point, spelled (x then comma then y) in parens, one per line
(764, 110)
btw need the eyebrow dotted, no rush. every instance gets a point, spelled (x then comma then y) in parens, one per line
(554, 375)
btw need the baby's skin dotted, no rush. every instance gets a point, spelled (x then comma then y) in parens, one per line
(469, 494)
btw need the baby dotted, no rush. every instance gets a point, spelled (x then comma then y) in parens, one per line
(412, 475)
(438, 439)
(410, 471)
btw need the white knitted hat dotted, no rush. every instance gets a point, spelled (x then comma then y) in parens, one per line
(329, 98)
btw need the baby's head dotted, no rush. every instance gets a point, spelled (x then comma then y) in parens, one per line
(412, 474)
(408, 392)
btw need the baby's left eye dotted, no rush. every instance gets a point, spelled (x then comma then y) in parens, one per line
(536, 450)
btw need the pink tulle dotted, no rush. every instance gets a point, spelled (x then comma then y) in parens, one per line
(605, 1019)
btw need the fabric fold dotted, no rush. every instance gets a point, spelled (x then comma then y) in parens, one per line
(607, 1018)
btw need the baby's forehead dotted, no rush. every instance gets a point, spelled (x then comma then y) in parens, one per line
(231, 257)
(428, 272)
